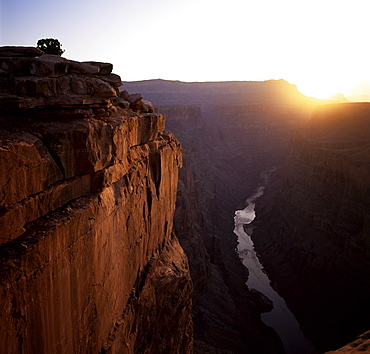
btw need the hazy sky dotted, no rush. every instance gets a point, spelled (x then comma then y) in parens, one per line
(322, 46)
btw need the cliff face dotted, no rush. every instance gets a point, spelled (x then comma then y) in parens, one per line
(313, 236)
(89, 261)
(360, 345)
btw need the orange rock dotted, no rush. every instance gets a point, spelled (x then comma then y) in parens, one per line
(88, 258)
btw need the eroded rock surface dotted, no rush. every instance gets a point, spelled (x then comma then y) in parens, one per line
(30, 80)
(89, 261)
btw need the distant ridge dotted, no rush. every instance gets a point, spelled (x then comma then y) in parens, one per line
(170, 92)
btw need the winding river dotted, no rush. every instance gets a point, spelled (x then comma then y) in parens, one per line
(280, 318)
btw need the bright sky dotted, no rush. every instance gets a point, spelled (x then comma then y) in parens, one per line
(322, 46)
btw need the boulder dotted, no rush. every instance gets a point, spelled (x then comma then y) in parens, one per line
(124, 94)
(105, 68)
(134, 98)
(142, 106)
(120, 102)
(112, 79)
(49, 65)
(83, 68)
(100, 88)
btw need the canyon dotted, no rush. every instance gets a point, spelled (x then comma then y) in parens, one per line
(233, 131)
(118, 201)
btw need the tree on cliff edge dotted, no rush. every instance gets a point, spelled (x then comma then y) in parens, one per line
(50, 46)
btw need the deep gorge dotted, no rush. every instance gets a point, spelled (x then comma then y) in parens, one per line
(117, 211)
(263, 127)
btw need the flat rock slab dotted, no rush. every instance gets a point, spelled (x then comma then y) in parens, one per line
(11, 51)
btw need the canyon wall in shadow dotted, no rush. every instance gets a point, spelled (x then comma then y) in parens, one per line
(313, 225)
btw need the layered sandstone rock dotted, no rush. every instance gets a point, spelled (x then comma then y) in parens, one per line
(89, 262)
(313, 236)
(32, 80)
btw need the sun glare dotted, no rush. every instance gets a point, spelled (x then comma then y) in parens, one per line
(316, 91)
(350, 91)
(323, 85)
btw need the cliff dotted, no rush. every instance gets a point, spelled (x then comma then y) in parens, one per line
(360, 345)
(89, 260)
(313, 225)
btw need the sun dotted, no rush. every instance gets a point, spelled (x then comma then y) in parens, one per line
(318, 89)
(326, 85)
(355, 92)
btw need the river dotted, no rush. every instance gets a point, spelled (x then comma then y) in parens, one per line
(280, 318)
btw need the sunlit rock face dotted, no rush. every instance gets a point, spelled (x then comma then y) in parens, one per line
(89, 261)
(358, 346)
(313, 236)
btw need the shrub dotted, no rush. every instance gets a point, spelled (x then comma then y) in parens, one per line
(50, 46)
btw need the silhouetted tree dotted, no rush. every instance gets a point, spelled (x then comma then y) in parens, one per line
(50, 46)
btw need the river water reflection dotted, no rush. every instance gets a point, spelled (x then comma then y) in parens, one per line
(280, 318)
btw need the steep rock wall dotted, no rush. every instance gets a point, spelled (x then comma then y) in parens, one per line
(89, 262)
(360, 345)
(313, 236)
